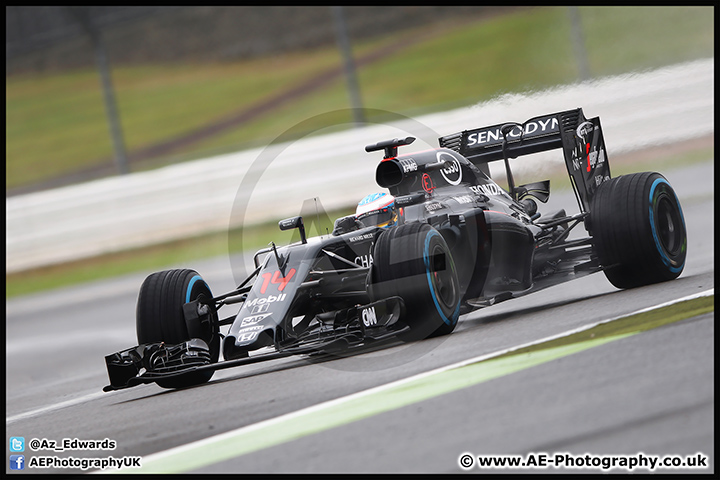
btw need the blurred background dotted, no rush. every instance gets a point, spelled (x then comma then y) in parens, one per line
(102, 92)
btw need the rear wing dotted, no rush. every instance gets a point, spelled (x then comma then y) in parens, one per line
(581, 140)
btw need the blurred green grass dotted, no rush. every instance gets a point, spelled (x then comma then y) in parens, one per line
(55, 123)
(158, 257)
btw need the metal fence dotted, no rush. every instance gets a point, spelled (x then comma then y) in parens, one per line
(54, 37)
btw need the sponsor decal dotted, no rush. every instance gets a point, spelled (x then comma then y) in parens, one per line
(252, 320)
(259, 308)
(584, 129)
(594, 158)
(287, 223)
(369, 317)
(452, 173)
(276, 279)
(364, 260)
(248, 334)
(408, 165)
(487, 189)
(431, 207)
(247, 337)
(600, 179)
(464, 199)
(575, 161)
(360, 238)
(427, 183)
(541, 126)
(256, 328)
(265, 300)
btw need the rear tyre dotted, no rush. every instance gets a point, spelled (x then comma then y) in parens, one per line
(638, 230)
(413, 261)
(159, 317)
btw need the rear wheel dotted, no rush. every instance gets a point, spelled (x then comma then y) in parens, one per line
(638, 230)
(159, 317)
(413, 261)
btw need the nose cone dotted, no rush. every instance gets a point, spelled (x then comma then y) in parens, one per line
(247, 339)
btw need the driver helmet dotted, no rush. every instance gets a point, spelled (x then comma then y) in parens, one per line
(378, 210)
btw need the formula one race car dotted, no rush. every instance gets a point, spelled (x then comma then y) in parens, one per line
(446, 239)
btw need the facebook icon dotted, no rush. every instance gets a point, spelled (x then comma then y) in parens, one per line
(17, 462)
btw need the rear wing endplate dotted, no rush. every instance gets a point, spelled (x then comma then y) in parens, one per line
(581, 140)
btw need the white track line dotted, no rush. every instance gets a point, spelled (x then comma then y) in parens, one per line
(388, 386)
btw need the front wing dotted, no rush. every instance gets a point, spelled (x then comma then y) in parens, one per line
(349, 327)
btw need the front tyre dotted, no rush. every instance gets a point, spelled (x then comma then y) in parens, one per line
(159, 317)
(638, 230)
(413, 261)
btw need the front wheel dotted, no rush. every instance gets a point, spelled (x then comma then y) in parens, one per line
(413, 261)
(638, 230)
(160, 318)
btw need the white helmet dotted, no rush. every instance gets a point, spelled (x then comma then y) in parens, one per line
(377, 209)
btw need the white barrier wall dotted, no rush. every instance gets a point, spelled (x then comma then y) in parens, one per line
(644, 109)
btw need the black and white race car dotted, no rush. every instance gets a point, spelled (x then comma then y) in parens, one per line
(445, 240)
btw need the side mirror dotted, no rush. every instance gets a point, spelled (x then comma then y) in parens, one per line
(345, 224)
(294, 222)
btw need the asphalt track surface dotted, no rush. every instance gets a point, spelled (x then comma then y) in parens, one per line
(652, 392)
